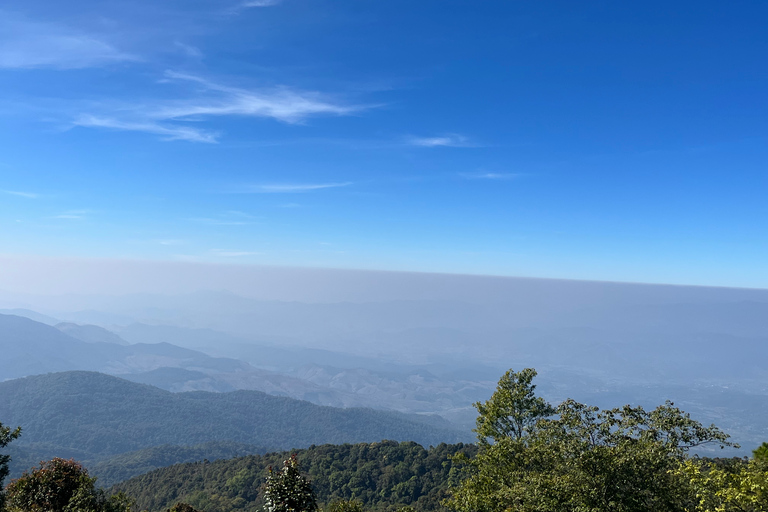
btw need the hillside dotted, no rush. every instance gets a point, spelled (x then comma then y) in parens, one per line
(384, 476)
(128, 465)
(100, 416)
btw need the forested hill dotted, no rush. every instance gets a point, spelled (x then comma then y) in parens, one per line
(384, 476)
(98, 416)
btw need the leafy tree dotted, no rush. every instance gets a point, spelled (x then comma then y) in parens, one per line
(6, 436)
(720, 488)
(513, 409)
(61, 486)
(182, 507)
(761, 452)
(287, 490)
(583, 459)
(345, 506)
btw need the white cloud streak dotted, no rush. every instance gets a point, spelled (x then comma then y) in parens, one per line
(259, 3)
(490, 175)
(213, 100)
(28, 195)
(72, 214)
(250, 4)
(189, 50)
(282, 104)
(289, 188)
(450, 140)
(26, 44)
(167, 132)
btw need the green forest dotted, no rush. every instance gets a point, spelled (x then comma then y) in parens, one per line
(529, 456)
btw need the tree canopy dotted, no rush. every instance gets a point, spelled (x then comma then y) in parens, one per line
(6, 436)
(513, 409)
(287, 490)
(761, 452)
(61, 486)
(576, 457)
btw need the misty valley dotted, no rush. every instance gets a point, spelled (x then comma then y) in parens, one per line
(147, 387)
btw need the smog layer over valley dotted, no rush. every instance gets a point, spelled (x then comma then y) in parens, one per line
(301, 256)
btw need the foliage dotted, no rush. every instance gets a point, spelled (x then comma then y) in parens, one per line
(513, 408)
(127, 465)
(717, 488)
(182, 507)
(6, 436)
(582, 459)
(102, 416)
(61, 485)
(761, 452)
(287, 490)
(383, 476)
(345, 506)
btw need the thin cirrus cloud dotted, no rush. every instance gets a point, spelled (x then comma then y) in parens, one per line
(489, 175)
(214, 100)
(27, 195)
(451, 140)
(249, 4)
(259, 3)
(289, 188)
(72, 214)
(27, 44)
(166, 132)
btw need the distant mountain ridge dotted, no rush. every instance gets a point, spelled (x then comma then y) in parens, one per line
(32, 348)
(90, 333)
(101, 416)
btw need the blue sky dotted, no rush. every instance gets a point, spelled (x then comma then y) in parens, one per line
(588, 140)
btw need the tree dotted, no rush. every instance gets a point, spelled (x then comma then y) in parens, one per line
(182, 507)
(581, 459)
(287, 490)
(718, 488)
(512, 409)
(61, 486)
(761, 452)
(345, 506)
(6, 436)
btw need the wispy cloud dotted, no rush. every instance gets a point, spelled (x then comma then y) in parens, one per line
(219, 222)
(281, 103)
(449, 140)
(72, 214)
(28, 195)
(259, 3)
(289, 188)
(27, 44)
(490, 175)
(235, 254)
(249, 4)
(188, 50)
(211, 99)
(167, 132)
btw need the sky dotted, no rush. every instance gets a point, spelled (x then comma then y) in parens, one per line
(602, 140)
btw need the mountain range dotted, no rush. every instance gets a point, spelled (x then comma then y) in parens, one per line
(93, 416)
